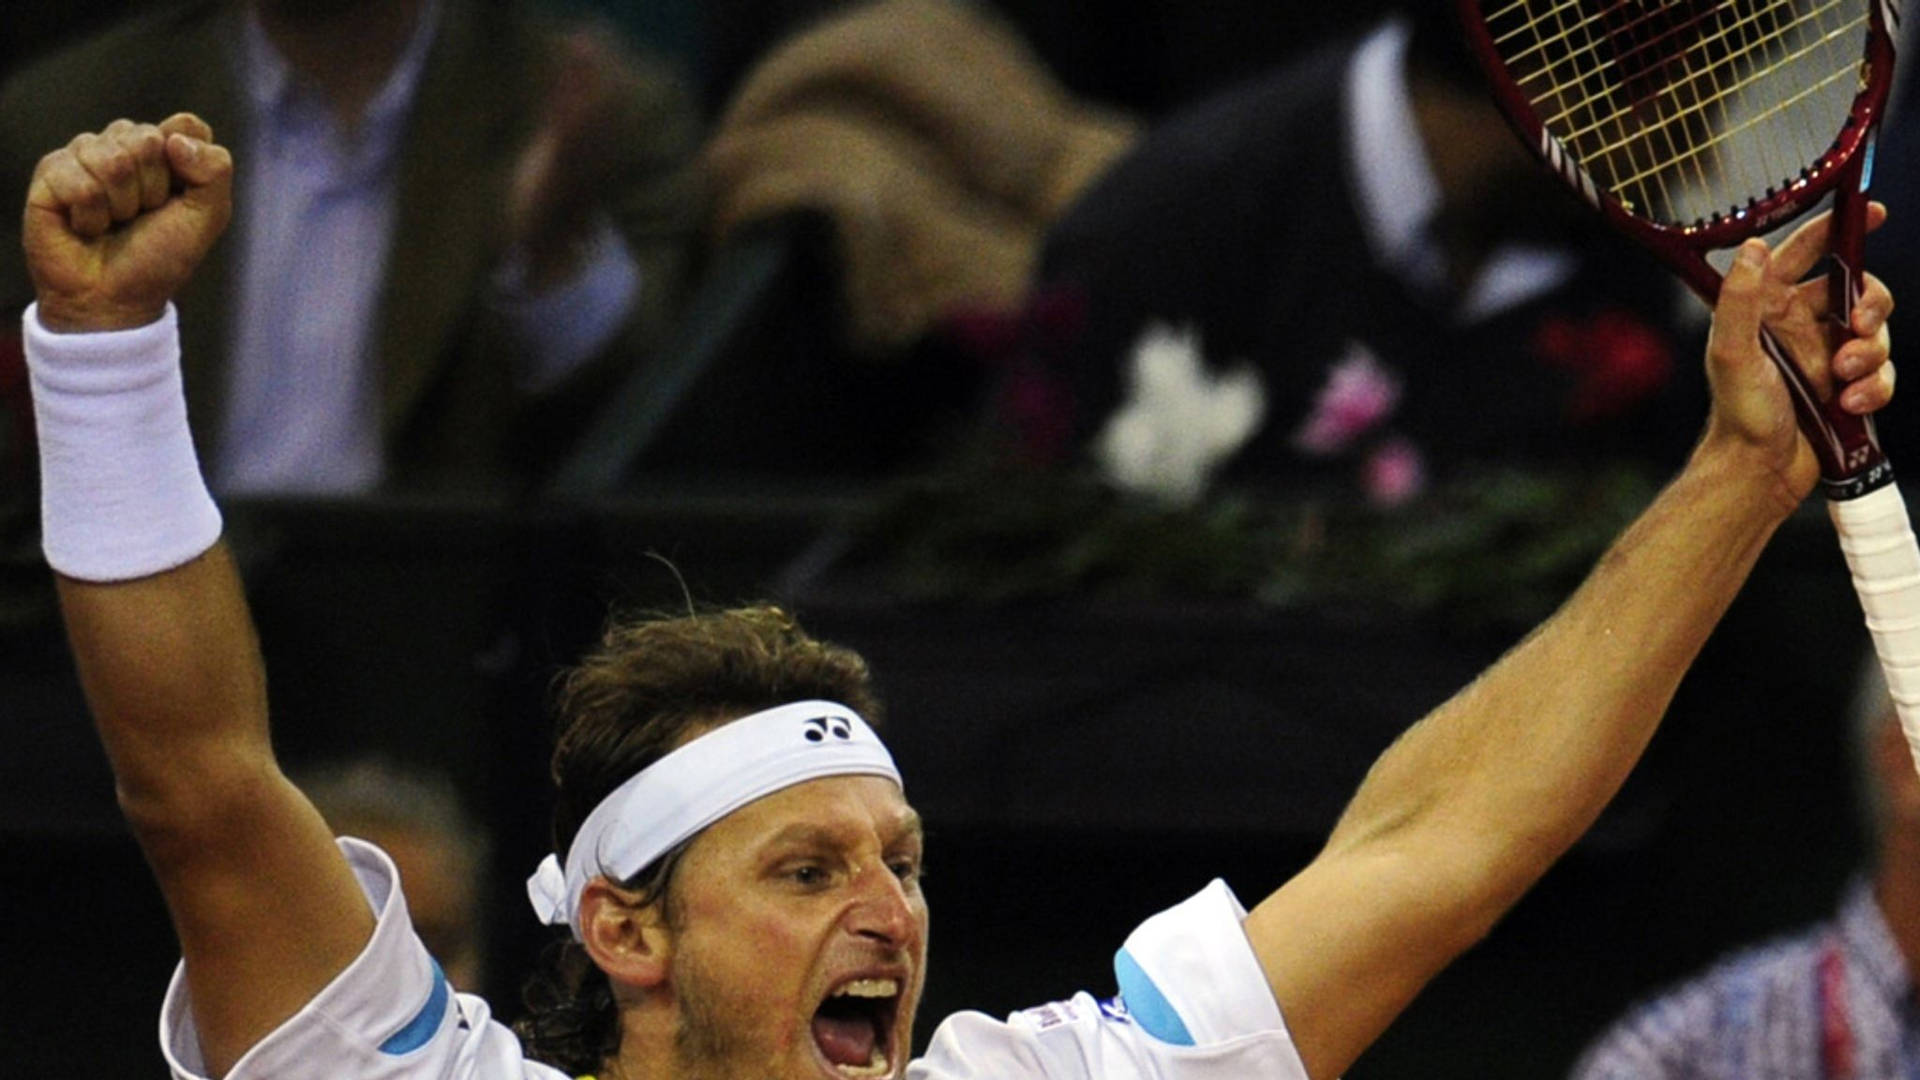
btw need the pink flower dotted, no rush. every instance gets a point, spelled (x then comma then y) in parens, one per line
(1360, 393)
(1394, 472)
(1023, 347)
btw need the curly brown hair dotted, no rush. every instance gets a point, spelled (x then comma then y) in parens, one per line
(649, 686)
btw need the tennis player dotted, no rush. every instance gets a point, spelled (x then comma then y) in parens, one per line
(736, 860)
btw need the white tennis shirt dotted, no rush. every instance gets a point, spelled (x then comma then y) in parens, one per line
(1193, 1005)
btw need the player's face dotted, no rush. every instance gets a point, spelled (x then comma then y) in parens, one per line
(801, 943)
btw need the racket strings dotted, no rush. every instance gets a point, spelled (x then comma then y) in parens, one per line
(1812, 118)
(1589, 48)
(1606, 59)
(1596, 116)
(1679, 131)
(1640, 50)
(1770, 114)
(1789, 109)
(1690, 108)
(1712, 69)
(1725, 36)
(1558, 13)
(1725, 134)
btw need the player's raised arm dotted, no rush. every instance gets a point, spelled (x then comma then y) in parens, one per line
(1471, 805)
(265, 906)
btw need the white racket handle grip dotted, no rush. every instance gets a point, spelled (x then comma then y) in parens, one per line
(1878, 542)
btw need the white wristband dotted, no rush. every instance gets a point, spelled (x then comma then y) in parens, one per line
(121, 495)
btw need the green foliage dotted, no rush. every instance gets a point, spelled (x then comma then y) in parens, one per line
(1499, 545)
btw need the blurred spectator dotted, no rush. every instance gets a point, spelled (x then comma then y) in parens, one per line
(447, 213)
(1360, 238)
(1833, 1002)
(938, 144)
(441, 853)
(1227, 249)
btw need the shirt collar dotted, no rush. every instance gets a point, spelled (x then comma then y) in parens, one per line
(1870, 945)
(1399, 194)
(265, 76)
(273, 89)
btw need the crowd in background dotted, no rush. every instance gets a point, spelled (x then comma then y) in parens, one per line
(1264, 251)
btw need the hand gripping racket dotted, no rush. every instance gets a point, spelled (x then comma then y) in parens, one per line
(1691, 125)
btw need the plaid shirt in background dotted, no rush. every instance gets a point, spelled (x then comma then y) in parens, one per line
(1832, 1003)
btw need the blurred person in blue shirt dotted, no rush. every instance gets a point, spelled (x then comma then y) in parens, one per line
(1832, 1002)
(450, 216)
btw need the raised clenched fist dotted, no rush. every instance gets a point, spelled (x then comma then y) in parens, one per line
(117, 220)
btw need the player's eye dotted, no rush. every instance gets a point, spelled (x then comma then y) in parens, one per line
(808, 874)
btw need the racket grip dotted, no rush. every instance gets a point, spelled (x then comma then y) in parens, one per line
(1878, 542)
(1846, 444)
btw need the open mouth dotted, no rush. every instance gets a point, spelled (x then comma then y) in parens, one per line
(853, 1028)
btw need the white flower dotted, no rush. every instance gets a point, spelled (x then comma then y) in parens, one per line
(1180, 421)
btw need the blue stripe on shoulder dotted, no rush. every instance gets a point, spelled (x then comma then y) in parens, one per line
(1147, 1005)
(421, 1028)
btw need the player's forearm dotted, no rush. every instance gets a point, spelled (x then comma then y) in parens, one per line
(159, 628)
(166, 652)
(174, 679)
(173, 676)
(1505, 776)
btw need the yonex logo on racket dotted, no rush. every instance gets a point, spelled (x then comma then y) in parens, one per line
(1778, 213)
(820, 727)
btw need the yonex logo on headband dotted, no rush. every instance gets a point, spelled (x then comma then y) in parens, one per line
(820, 727)
(696, 785)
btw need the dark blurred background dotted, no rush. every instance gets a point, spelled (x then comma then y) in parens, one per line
(1080, 760)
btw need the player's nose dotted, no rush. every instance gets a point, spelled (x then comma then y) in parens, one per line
(883, 911)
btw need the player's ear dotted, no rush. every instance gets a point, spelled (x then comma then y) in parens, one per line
(627, 939)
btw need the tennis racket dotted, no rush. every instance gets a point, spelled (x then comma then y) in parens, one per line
(1691, 125)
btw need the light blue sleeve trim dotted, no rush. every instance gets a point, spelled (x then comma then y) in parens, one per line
(1148, 1007)
(421, 1028)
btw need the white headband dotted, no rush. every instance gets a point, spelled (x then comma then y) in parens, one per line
(698, 784)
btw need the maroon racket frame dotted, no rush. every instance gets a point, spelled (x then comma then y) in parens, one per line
(1851, 461)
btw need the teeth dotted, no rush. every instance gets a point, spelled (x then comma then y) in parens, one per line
(869, 988)
(879, 1066)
